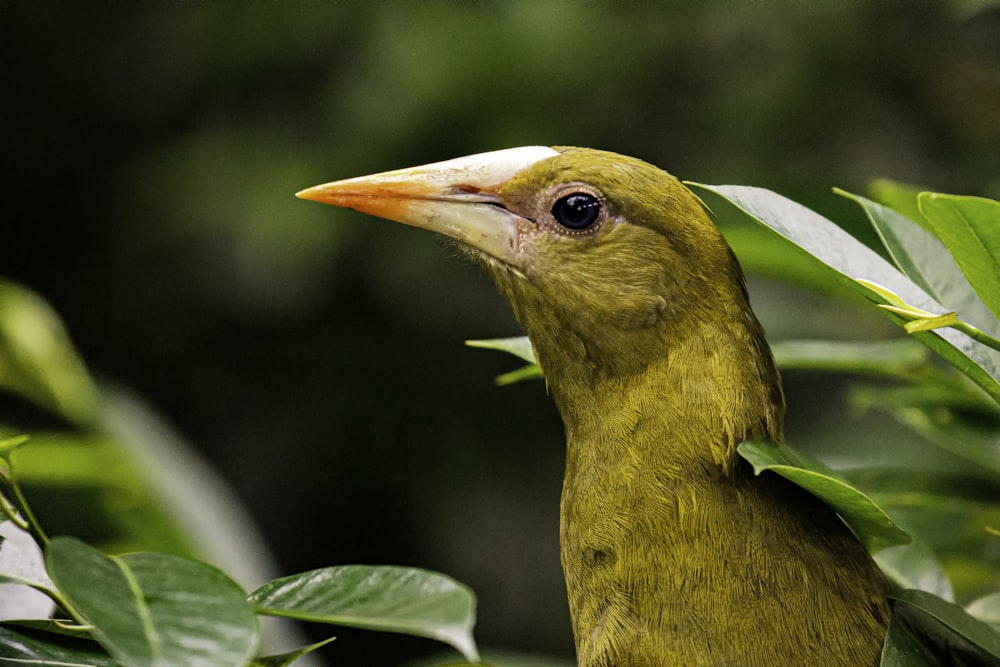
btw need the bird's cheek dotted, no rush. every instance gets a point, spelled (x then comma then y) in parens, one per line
(533, 258)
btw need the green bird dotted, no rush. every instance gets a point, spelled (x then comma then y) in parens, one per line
(674, 553)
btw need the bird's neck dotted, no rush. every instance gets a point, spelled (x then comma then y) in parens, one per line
(652, 479)
(682, 405)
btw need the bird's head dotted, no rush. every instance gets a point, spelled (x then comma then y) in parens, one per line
(604, 258)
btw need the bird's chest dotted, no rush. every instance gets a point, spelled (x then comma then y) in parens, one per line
(620, 503)
(643, 547)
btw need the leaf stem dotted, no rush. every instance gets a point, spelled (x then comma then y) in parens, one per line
(9, 511)
(977, 334)
(33, 526)
(16, 507)
(921, 320)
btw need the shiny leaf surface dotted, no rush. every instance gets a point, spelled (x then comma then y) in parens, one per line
(152, 609)
(970, 227)
(871, 525)
(850, 261)
(393, 599)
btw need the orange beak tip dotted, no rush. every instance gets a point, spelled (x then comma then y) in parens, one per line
(312, 194)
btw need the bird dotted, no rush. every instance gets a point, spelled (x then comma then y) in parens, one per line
(673, 551)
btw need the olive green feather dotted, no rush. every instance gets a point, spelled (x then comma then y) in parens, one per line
(674, 553)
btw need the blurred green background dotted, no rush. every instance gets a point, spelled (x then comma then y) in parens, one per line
(315, 356)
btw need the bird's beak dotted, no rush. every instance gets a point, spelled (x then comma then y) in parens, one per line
(457, 198)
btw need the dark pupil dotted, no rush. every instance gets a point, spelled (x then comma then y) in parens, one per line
(577, 211)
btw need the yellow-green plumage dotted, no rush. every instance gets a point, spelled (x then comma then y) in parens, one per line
(673, 552)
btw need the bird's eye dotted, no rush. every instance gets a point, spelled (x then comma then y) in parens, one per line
(577, 211)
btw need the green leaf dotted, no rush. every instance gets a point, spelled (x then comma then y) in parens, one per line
(972, 435)
(8, 446)
(529, 372)
(915, 566)
(44, 649)
(949, 511)
(53, 626)
(909, 246)
(902, 358)
(37, 360)
(285, 659)
(24, 585)
(868, 522)
(927, 262)
(152, 609)
(947, 629)
(903, 648)
(519, 346)
(929, 394)
(927, 384)
(850, 260)
(970, 227)
(388, 598)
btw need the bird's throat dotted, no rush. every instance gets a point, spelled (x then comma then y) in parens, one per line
(675, 403)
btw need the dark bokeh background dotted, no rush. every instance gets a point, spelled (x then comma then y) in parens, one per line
(315, 356)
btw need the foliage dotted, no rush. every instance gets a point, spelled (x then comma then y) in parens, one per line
(154, 149)
(154, 608)
(942, 287)
(158, 609)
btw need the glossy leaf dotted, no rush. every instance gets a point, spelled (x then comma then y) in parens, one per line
(152, 609)
(970, 227)
(927, 262)
(19, 646)
(393, 599)
(284, 659)
(22, 576)
(903, 648)
(850, 260)
(909, 246)
(519, 346)
(947, 627)
(868, 522)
